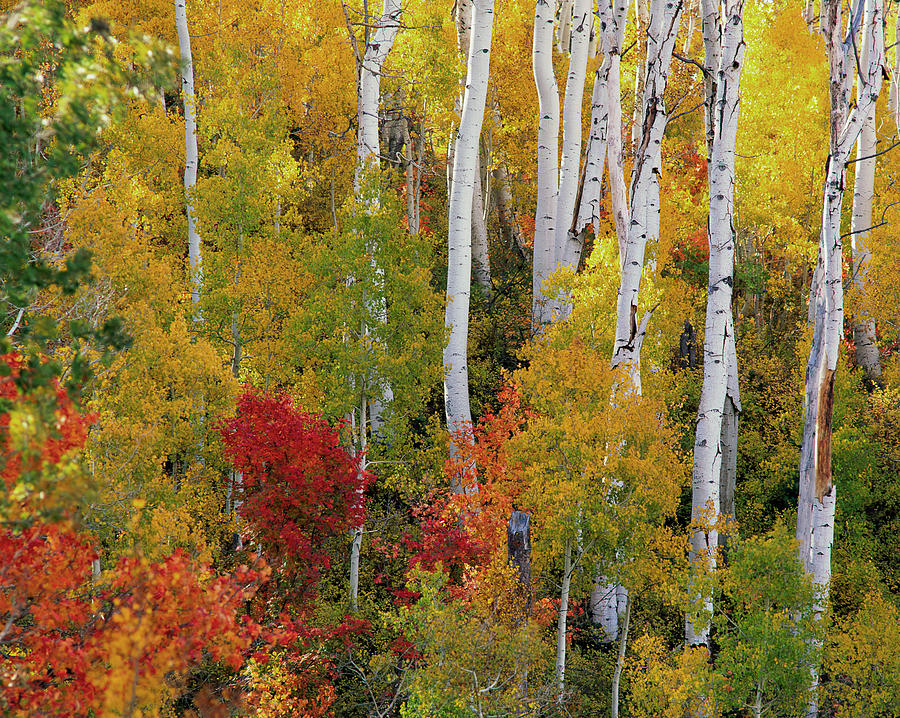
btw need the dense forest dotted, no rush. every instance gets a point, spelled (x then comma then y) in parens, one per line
(434, 359)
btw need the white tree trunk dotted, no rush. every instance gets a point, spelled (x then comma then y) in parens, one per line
(724, 51)
(561, 625)
(459, 240)
(191, 157)
(620, 660)
(644, 211)
(481, 258)
(356, 532)
(643, 226)
(547, 159)
(865, 343)
(567, 243)
(894, 99)
(817, 495)
(380, 40)
(506, 210)
(605, 139)
(564, 29)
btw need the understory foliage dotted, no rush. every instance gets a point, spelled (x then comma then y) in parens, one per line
(186, 487)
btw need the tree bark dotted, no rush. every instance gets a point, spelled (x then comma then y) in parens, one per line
(817, 495)
(567, 242)
(605, 139)
(459, 250)
(547, 160)
(561, 625)
(644, 210)
(191, 156)
(378, 44)
(481, 258)
(356, 532)
(620, 661)
(724, 53)
(643, 226)
(894, 98)
(518, 544)
(865, 343)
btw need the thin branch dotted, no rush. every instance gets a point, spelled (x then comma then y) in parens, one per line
(868, 157)
(689, 61)
(686, 112)
(15, 326)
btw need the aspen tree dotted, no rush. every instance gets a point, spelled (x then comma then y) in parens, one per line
(481, 263)
(605, 140)
(609, 601)
(643, 227)
(379, 41)
(567, 248)
(723, 40)
(864, 341)
(459, 233)
(894, 97)
(191, 158)
(817, 494)
(547, 159)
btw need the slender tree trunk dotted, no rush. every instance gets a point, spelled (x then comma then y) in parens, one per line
(379, 41)
(356, 532)
(459, 250)
(894, 98)
(564, 30)
(644, 211)
(506, 210)
(817, 496)
(191, 158)
(620, 660)
(561, 625)
(642, 226)
(728, 476)
(481, 259)
(724, 51)
(568, 242)
(547, 160)
(518, 544)
(865, 343)
(605, 139)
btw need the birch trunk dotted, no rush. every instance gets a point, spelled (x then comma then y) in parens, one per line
(605, 139)
(191, 157)
(724, 53)
(561, 625)
(894, 98)
(817, 495)
(642, 226)
(459, 240)
(356, 532)
(481, 258)
(547, 160)
(644, 211)
(865, 344)
(481, 265)
(506, 211)
(620, 661)
(378, 45)
(567, 250)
